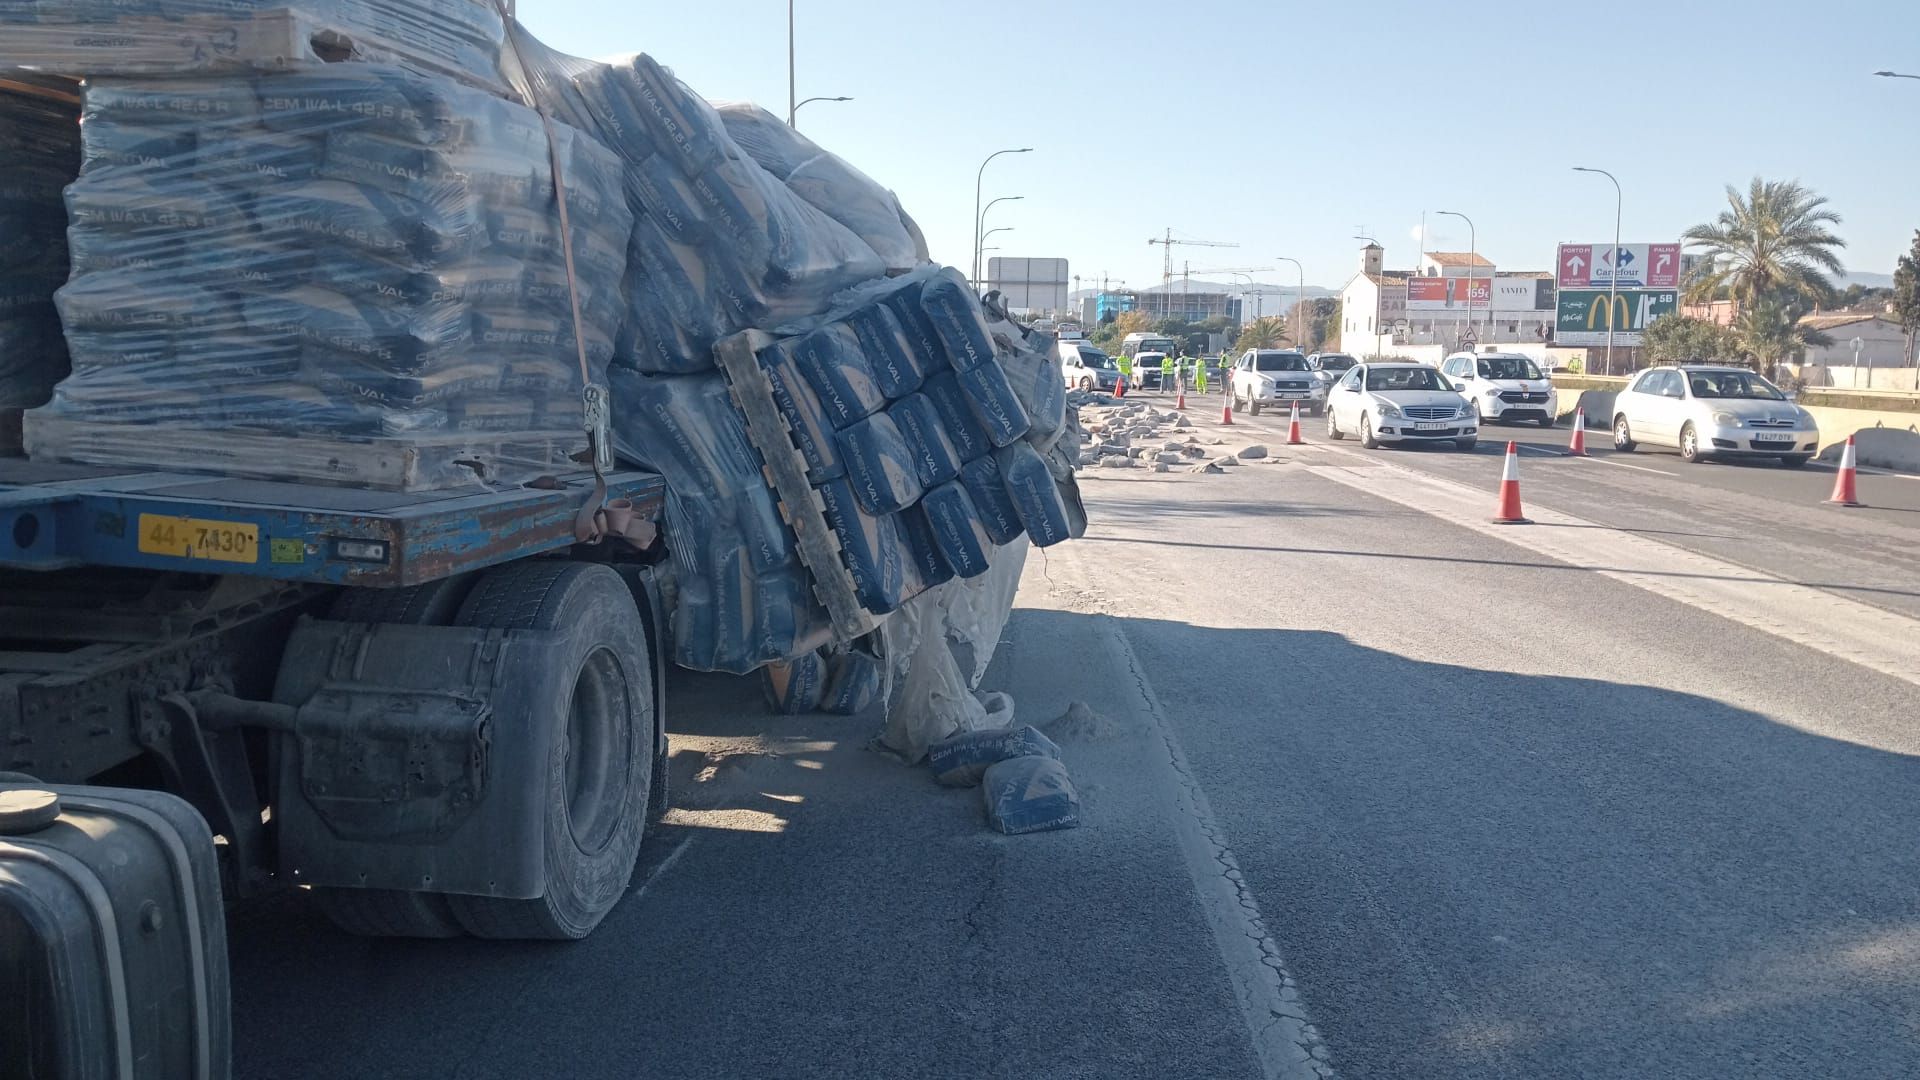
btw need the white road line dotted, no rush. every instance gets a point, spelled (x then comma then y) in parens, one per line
(1869, 636)
(1624, 465)
(1287, 1044)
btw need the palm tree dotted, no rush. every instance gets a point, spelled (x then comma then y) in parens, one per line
(1770, 332)
(1772, 244)
(1267, 332)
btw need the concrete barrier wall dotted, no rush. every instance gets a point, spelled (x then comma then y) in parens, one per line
(1883, 437)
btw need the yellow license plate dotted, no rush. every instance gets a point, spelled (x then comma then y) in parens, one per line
(198, 538)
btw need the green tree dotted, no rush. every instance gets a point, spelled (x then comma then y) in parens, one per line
(1772, 245)
(1674, 339)
(1770, 331)
(1267, 332)
(1906, 296)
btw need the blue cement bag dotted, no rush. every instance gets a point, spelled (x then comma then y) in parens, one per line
(957, 319)
(992, 505)
(1038, 384)
(888, 351)
(957, 530)
(926, 567)
(963, 428)
(807, 422)
(854, 677)
(1036, 499)
(871, 547)
(1030, 794)
(929, 355)
(994, 403)
(795, 686)
(830, 360)
(685, 428)
(935, 459)
(879, 465)
(961, 760)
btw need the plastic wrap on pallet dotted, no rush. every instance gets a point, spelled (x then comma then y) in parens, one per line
(839, 190)
(744, 599)
(880, 466)
(354, 274)
(39, 153)
(871, 545)
(957, 416)
(728, 245)
(935, 459)
(992, 504)
(143, 38)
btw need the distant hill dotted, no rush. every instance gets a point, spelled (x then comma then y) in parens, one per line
(1865, 281)
(1284, 294)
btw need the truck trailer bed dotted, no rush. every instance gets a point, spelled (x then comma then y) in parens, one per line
(55, 516)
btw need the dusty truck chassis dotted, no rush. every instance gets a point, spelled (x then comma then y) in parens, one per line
(409, 751)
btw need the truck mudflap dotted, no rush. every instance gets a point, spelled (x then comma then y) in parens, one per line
(414, 759)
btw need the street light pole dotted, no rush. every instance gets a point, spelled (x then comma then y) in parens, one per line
(977, 177)
(1895, 75)
(1473, 242)
(1301, 304)
(1613, 277)
(792, 105)
(809, 101)
(979, 257)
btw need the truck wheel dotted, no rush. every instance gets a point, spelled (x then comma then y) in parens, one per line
(600, 773)
(396, 912)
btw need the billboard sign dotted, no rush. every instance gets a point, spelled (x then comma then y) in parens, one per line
(1435, 294)
(1522, 294)
(1632, 266)
(1584, 315)
(1032, 285)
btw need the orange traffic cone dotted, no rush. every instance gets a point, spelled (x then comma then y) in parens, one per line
(1843, 493)
(1226, 413)
(1509, 512)
(1180, 399)
(1578, 447)
(1293, 428)
(1119, 388)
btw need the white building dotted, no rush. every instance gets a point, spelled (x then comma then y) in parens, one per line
(1372, 303)
(1884, 363)
(1453, 297)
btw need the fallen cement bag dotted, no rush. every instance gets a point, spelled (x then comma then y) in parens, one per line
(957, 531)
(992, 504)
(795, 686)
(854, 679)
(1030, 794)
(935, 459)
(1036, 499)
(960, 761)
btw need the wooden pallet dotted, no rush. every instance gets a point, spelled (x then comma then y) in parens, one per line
(436, 462)
(786, 470)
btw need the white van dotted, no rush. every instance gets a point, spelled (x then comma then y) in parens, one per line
(1504, 387)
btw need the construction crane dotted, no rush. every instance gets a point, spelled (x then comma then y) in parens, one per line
(1166, 265)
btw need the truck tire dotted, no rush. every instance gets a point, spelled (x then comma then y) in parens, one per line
(396, 912)
(601, 770)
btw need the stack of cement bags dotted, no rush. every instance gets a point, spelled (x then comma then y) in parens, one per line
(39, 153)
(457, 38)
(356, 251)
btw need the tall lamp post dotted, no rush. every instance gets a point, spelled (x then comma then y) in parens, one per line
(1895, 75)
(977, 177)
(793, 106)
(1613, 275)
(1473, 242)
(980, 256)
(1301, 297)
(810, 101)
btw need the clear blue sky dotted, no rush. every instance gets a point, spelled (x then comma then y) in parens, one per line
(1284, 126)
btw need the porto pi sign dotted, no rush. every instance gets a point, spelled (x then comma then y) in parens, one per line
(1631, 266)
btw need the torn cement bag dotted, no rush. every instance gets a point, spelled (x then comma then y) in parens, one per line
(938, 645)
(961, 760)
(1030, 794)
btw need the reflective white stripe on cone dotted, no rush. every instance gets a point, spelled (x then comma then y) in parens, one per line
(1843, 484)
(1509, 512)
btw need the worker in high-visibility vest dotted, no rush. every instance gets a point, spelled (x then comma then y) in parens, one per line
(1126, 368)
(1166, 373)
(1200, 375)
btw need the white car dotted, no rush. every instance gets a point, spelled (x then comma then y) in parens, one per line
(1504, 387)
(1400, 403)
(1087, 368)
(1713, 412)
(1276, 377)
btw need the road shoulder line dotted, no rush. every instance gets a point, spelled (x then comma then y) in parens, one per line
(1285, 1041)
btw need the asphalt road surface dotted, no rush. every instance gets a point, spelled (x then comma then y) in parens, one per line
(1372, 788)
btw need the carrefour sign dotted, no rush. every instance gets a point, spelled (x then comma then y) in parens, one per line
(1629, 266)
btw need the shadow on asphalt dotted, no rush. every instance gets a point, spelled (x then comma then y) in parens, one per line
(1473, 872)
